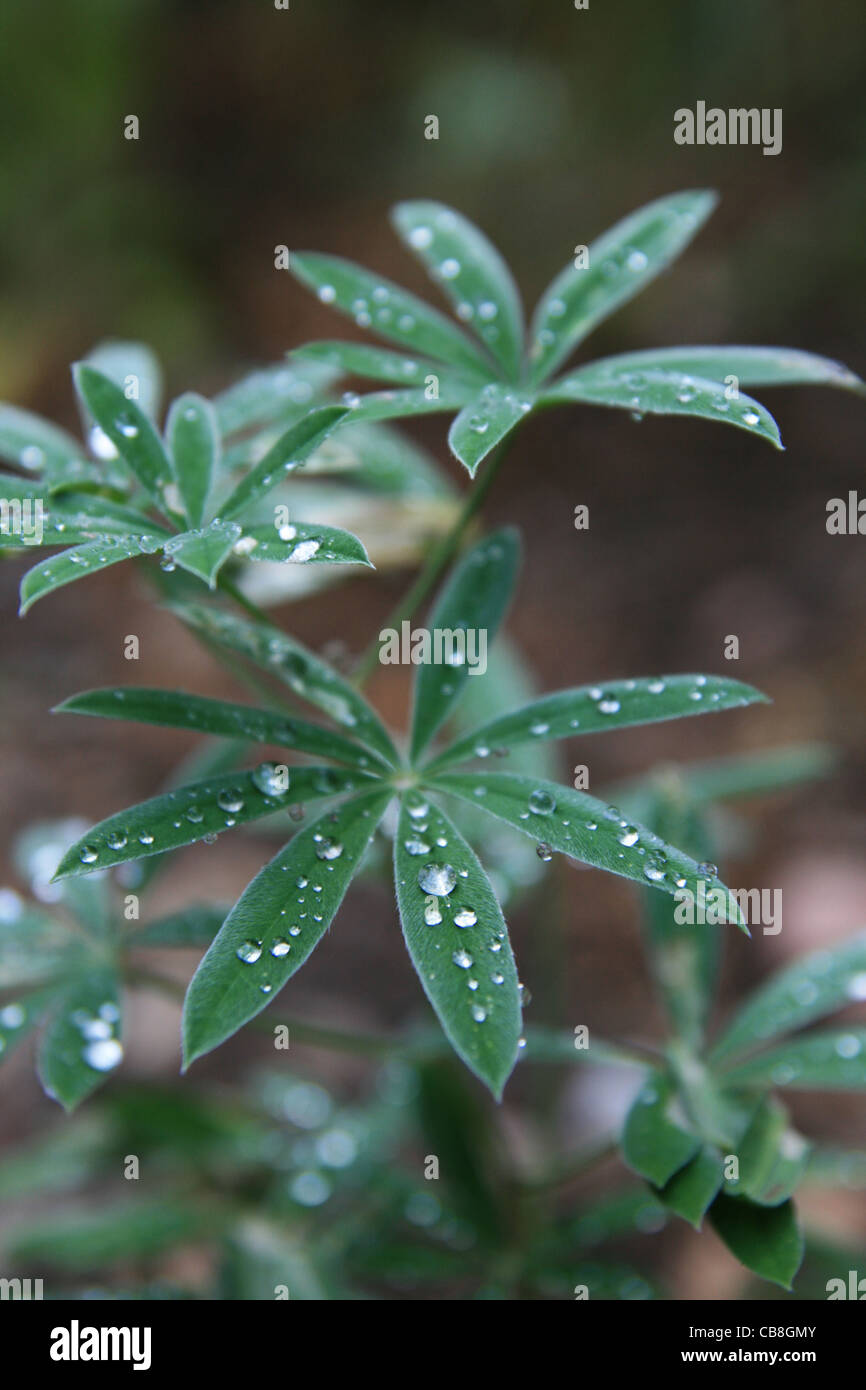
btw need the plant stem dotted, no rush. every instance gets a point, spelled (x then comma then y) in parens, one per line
(436, 561)
(229, 587)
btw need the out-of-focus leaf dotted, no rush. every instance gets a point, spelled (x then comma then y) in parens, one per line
(194, 926)
(81, 1045)
(655, 1141)
(812, 987)
(767, 1240)
(120, 1231)
(272, 394)
(378, 364)
(134, 367)
(471, 606)
(130, 430)
(819, 1062)
(772, 1157)
(691, 1190)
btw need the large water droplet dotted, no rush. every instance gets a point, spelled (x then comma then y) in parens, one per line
(541, 803)
(249, 952)
(465, 918)
(438, 879)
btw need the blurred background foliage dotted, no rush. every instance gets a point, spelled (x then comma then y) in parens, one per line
(261, 127)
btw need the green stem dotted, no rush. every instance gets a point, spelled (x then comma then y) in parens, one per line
(229, 587)
(439, 557)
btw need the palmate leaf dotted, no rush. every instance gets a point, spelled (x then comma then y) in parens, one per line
(188, 814)
(276, 923)
(131, 431)
(752, 366)
(192, 431)
(592, 709)
(311, 678)
(584, 828)
(457, 938)
(175, 709)
(291, 450)
(470, 272)
(654, 392)
(485, 422)
(81, 1044)
(811, 988)
(655, 1141)
(389, 311)
(81, 560)
(473, 601)
(622, 262)
(821, 1061)
(767, 1240)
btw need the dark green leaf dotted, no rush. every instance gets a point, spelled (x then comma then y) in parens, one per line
(204, 552)
(175, 709)
(588, 829)
(278, 920)
(665, 393)
(187, 815)
(457, 938)
(387, 310)
(767, 1240)
(194, 442)
(470, 272)
(621, 264)
(590, 709)
(118, 1231)
(655, 1140)
(465, 619)
(378, 364)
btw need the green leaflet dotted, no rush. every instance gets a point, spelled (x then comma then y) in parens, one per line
(193, 437)
(389, 311)
(175, 709)
(622, 262)
(593, 709)
(191, 813)
(752, 366)
(584, 828)
(458, 941)
(485, 422)
(131, 431)
(654, 392)
(466, 615)
(276, 923)
(289, 452)
(694, 1187)
(73, 564)
(470, 272)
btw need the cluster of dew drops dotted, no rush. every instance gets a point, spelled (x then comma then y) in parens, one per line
(437, 880)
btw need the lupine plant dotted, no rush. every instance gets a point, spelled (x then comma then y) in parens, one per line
(212, 490)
